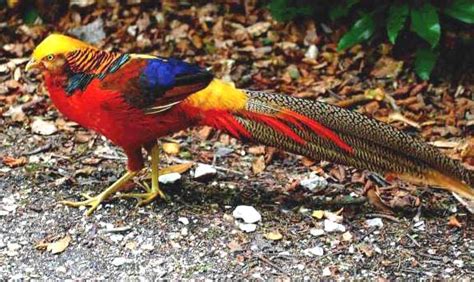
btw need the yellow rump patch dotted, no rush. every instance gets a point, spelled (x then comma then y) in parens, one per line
(219, 95)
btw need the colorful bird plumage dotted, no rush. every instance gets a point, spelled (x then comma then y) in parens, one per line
(134, 99)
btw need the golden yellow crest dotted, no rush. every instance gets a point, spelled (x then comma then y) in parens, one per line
(58, 44)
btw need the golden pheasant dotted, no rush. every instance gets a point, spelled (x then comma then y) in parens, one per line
(134, 99)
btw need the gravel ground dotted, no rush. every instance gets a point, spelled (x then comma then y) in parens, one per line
(195, 236)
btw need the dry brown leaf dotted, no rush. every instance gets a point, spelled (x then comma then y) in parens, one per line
(367, 250)
(318, 214)
(257, 150)
(273, 235)
(14, 162)
(171, 148)
(56, 247)
(374, 199)
(397, 116)
(387, 68)
(179, 168)
(258, 165)
(454, 222)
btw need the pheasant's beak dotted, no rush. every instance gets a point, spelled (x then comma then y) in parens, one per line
(32, 64)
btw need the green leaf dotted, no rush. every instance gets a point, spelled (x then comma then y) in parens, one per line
(285, 10)
(360, 31)
(30, 16)
(397, 16)
(425, 22)
(462, 10)
(341, 9)
(424, 62)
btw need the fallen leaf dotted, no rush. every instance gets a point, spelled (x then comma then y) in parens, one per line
(374, 200)
(171, 148)
(14, 162)
(397, 116)
(273, 235)
(42, 127)
(258, 165)
(454, 222)
(318, 214)
(387, 67)
(56, 247)
(179, 168)
(366, 249)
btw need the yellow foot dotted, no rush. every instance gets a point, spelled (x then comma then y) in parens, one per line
(147, 197)
(92, 202)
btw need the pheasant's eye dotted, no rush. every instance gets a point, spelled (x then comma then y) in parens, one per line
(50, 57)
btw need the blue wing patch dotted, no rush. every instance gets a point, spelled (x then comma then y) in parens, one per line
(162, 74)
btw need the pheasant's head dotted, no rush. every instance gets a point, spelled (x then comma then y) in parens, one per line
(50, 54)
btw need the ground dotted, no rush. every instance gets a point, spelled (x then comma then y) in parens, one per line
(45, 159)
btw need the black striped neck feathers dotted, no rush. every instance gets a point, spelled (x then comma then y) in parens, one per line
(84, 65)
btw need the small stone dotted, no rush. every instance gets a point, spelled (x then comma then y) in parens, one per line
(247, 213)
(316, 232)
(312, 52)
(204, 171)
(61, 269)
(223, 151)
(147, 247)
(331, 226)
(116, 238)
(347, 236)
(183, 220)
(169, 178)
(120, 261)
(374, 222)
(315, 182)
(316, 251)
(459, 263)
(13, 246)
(42, 127)
(326, 271)
(247, 227)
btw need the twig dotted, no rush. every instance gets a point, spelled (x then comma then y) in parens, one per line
(386, 216)
(468, 205)
(181, 161)
(267, 261)
(413, 240)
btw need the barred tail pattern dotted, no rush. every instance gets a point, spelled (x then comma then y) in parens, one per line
(373, 145)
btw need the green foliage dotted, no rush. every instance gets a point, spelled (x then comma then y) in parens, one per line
(462, 10)
(425, 22)
(397, 16)
(425, 62)
(391, 16)
(360, 31)
(341, 9)
(285, 10)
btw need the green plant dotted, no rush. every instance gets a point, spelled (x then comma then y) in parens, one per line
(422, 17)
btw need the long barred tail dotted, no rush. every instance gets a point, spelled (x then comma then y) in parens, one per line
(325, 132)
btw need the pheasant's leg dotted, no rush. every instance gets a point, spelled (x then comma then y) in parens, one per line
(154, 191)
(94, 202)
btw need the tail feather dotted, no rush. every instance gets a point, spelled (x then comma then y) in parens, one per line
(350, 138)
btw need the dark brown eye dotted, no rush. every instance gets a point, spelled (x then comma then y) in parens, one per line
(50, 57)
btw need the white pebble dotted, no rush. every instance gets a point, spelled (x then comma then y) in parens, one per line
(374, 222)
(247, 227)
(183, 220)
(331, 226)
(247, 213)
(203, 170)
(316, 232)
(316, 251)
(169, 178)
(120, 261)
